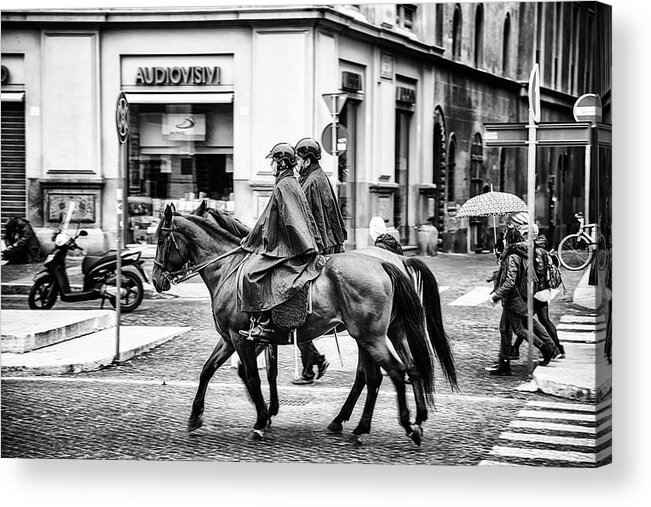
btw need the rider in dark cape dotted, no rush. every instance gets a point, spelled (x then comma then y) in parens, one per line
(285, 242)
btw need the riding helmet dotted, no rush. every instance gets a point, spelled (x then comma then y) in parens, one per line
(308, 147)
(283, 152)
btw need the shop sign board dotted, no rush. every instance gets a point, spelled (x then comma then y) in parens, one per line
(184, 127)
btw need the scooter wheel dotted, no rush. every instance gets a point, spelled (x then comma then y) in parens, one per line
(43, 294)
(132, 292)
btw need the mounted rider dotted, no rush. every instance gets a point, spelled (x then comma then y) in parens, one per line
(330, 224)
(285, 243)
(320, 196)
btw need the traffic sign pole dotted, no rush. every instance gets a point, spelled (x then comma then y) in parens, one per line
(122, 123)
(534, 119)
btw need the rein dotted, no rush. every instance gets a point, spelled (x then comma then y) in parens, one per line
(189, 271)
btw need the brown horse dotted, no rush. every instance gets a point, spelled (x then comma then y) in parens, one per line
(426, 285)
(370, 298)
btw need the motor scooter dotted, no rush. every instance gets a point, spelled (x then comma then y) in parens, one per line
(100, 277)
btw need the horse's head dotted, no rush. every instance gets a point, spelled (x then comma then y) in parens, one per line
(172, 251)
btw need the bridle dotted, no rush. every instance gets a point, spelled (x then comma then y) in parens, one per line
(188, 270)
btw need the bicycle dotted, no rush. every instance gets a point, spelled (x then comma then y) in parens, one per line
(576, 251)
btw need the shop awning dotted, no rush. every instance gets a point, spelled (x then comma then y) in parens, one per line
(12, 96)
(179, 98)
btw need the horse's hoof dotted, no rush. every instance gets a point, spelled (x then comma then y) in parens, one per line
(194, 423)
(335, 427)
(415, 435)
(255, 436)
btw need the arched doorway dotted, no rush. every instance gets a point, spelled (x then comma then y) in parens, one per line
(439, 169)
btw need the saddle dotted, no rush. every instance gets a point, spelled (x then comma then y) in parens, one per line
(277, 289)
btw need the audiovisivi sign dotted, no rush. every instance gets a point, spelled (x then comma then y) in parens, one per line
(192, 75)
(182, 71)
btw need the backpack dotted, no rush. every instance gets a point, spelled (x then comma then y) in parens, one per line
(548, 271)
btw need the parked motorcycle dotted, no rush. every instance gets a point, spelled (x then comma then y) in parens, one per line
(100, 277)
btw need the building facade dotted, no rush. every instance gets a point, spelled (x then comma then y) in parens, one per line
(211, 90)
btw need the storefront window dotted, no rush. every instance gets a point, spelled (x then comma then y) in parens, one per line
(179, 153)
(346, 176)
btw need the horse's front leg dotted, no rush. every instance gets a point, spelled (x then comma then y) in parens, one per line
(247, 352)
(336, 426)
(271, 361)
(222, 351)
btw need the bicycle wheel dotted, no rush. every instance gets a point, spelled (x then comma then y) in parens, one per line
(574, 252)
(602, 252)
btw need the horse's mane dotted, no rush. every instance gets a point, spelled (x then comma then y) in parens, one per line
(229, 223)
(211, 228)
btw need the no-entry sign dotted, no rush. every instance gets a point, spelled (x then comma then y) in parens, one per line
(587, 108)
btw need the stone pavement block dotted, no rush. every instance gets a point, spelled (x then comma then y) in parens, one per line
(26, 330)
(90, 352)
(583, 375)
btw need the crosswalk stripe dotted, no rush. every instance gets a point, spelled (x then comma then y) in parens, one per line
(542, 414)
(475, 297)
(488, 462)
(538, 425)
(548, 439)
(562, 406)
(572, 456)
(560, 426)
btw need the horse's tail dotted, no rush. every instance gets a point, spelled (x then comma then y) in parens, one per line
(410, 311)
(434, 318)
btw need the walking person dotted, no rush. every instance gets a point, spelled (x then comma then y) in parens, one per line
(286, 245)
(511, 289)
(542, 292)
(331, 228)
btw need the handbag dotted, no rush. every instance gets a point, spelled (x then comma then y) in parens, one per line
(543, 295)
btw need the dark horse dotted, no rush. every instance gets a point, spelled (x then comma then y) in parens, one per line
(370, 298)
(425, 283)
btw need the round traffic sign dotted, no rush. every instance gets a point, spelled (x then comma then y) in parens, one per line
(587, 108)
(122, 118)
(342, 139)
(534, 94)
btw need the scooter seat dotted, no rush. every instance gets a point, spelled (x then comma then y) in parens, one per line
(90, 261)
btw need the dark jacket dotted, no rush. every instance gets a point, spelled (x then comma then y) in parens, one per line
(285, 244)
(22, 244)
(511, 286)
(323, 203)
(540, 260)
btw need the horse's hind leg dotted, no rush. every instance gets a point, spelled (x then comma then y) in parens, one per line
(373, 381)
(379, 352)
(222, 351)
(397, 336)
(336, 426)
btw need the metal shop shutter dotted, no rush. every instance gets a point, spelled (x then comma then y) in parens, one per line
(13, 193)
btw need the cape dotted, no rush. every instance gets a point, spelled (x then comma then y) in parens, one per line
(285, 245)
(286, 227)
(323, 203)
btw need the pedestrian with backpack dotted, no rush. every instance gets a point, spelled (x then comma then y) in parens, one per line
(547, 278)
(511, 288)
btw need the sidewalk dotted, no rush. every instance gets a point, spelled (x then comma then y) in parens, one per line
(585, 374)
